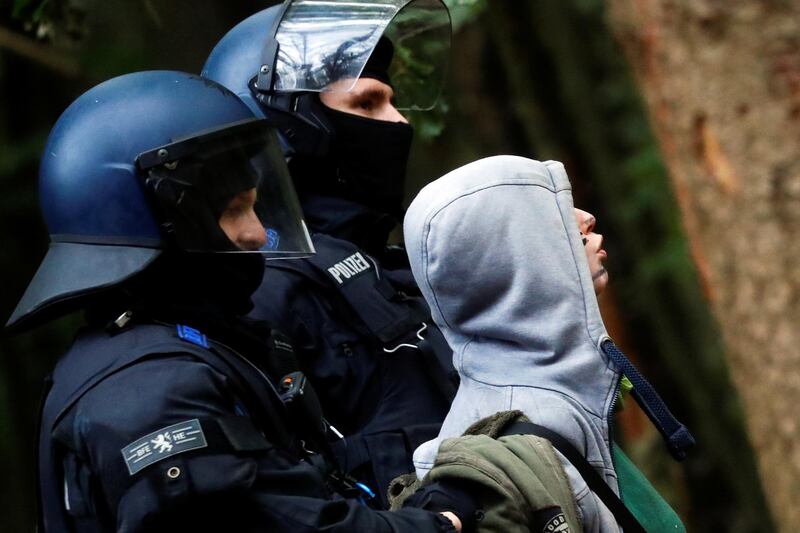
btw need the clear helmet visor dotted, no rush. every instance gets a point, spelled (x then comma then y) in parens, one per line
(227, 191)
(324, 46)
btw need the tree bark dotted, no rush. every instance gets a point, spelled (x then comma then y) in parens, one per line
(722, 86)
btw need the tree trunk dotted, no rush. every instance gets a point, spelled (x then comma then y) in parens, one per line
(722, 86)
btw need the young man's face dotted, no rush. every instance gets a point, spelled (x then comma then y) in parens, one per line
(240, 223)
(593, 244)
(368, 98)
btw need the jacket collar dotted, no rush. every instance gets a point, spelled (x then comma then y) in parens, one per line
(348, 220)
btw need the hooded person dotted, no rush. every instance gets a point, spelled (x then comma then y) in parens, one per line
(499, 256)
(331, 76)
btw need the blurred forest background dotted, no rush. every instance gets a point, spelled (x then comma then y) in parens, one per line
(677, 122)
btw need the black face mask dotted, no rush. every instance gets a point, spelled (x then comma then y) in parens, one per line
(366, 162)
(208, 292)
(198, 289)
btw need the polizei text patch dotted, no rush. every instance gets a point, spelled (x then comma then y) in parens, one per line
(349, 268)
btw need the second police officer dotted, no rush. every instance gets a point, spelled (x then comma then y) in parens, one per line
(329, 74)
(162, 415)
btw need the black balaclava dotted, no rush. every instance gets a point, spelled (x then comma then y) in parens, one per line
(379, 61)
(367, 159)
(206, 291)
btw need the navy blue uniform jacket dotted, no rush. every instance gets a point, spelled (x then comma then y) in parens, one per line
(139, 396)
(386, 404)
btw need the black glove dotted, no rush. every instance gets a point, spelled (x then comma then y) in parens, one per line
(445, 495)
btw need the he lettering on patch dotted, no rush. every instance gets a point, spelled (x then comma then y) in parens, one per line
(349, 268)
(166, 442)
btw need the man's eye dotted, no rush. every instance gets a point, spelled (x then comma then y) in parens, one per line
(366, 105)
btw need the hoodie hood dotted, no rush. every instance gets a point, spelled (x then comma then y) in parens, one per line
(497, 253)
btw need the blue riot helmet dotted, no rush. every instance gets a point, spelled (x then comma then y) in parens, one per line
(279, 59)
(148, 162)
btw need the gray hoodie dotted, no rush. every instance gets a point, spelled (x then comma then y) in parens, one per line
(497, 253)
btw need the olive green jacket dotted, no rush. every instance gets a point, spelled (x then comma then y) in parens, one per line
(517, 480)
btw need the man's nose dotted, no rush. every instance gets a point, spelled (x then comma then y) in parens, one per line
(587, 223)
(390, 113)
(253, 236)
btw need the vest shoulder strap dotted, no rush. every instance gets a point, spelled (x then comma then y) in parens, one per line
(80, 369)
(343, 268)
(142, 341)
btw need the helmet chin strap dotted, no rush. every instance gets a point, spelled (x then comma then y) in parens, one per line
(300, 119)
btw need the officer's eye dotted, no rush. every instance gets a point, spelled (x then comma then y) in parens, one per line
(366, 104)
(233, 210)
(241, 203)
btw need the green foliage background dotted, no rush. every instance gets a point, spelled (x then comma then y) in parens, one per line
(538, 78)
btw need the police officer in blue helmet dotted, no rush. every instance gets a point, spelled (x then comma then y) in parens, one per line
(163, 195)
(332, 76)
